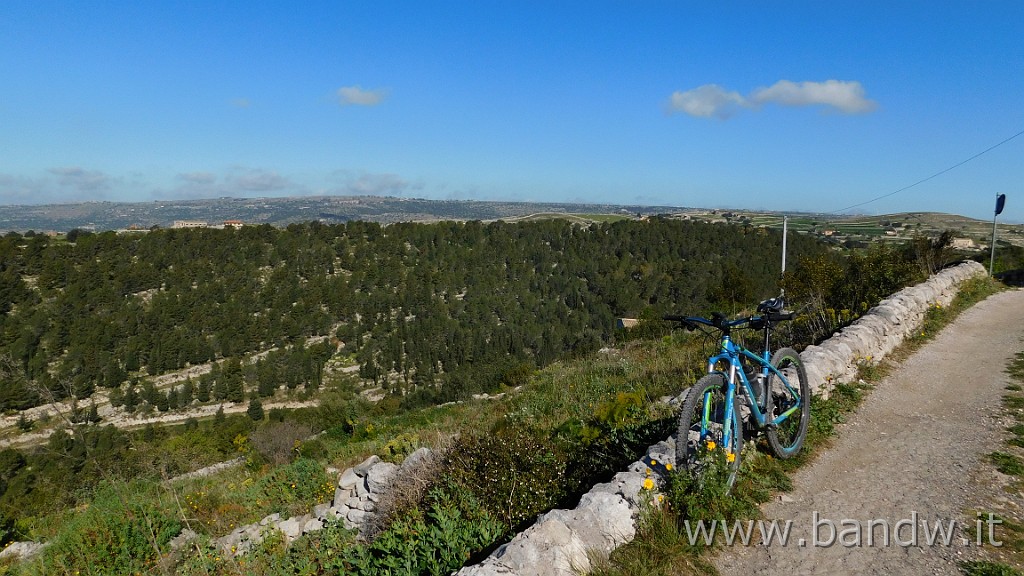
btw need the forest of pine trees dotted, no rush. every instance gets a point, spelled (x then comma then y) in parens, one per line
(431, 312)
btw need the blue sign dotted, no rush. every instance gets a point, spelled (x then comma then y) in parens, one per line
(1000, 202)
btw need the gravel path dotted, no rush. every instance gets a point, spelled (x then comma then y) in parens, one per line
(907, 453)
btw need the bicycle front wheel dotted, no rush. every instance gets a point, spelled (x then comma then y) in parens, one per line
(702, 428)
(793, 400)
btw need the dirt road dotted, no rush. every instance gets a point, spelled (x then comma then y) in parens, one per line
(904, 459)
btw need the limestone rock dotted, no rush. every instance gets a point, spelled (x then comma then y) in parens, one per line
(379, 477)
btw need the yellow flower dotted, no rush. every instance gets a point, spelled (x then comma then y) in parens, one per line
(654, 462)
(730, 457)
(711, 445)
(668, 467)
(648, 472)
(648, 484)
(661, 498)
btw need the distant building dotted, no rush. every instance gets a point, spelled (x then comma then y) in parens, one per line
(189, 224)
(133, 229)
(962, 244)
(233, 223)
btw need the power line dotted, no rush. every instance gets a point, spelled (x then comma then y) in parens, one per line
(937, 174)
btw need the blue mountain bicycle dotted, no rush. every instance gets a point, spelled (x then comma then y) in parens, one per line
(744, 390)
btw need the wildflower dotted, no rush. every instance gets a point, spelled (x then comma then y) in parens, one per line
(711, 445)
(668, 467)
(661, 498)
(730, 457)
(654, 462)
(648, 484)
(648, 472)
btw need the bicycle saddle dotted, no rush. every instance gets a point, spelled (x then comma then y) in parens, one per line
(771, 306)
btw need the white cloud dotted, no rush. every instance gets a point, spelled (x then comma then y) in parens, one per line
(237, 182)
(847, 97)
(356, 96)
(198, 178)
(260, 181)
(370, 184)
(22, 190)
(82, 180)
(57, 185)
(706, 101)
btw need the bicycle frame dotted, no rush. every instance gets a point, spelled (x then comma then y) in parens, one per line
(731, 352)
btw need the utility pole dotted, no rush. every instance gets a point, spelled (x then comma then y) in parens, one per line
(785, 224)
(1000, 203)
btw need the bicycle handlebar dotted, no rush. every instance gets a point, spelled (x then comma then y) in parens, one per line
(719, 320)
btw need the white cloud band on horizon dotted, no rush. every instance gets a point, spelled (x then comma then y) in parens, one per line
(361, 183)
(356, 96)
(82, 180)
(847, 97)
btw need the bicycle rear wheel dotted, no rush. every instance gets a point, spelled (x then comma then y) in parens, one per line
(786, 438)
(702, 426)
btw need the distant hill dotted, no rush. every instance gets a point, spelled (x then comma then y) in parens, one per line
(100, 216)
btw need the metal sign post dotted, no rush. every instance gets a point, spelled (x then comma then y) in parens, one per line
(1000, 204)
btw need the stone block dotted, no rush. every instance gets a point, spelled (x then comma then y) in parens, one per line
(320, 510)
(363, 468)
(416, 458)
(312, 525)
(379, 477)
(356, 516)
(348, 479)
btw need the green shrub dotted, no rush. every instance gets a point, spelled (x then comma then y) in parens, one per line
(707, 496)
(399, 447)
(450, 529)
(297, 484)
(984, 568)
(121, 532)
(439, 541)
(514, 473)
(1008, 464)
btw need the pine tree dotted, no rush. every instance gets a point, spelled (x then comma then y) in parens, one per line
(188, 392)
(203, 393)
(131, 399)
(25, 424)
(255, 410)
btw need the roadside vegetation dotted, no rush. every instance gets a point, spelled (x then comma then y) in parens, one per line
(662, 546)
(526, 316)
(1008, 461)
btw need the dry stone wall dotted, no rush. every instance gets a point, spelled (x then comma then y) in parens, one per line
(356, 495)
(884, 327)
(564, 542)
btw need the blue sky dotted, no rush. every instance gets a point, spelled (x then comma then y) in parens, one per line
(798, 106)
